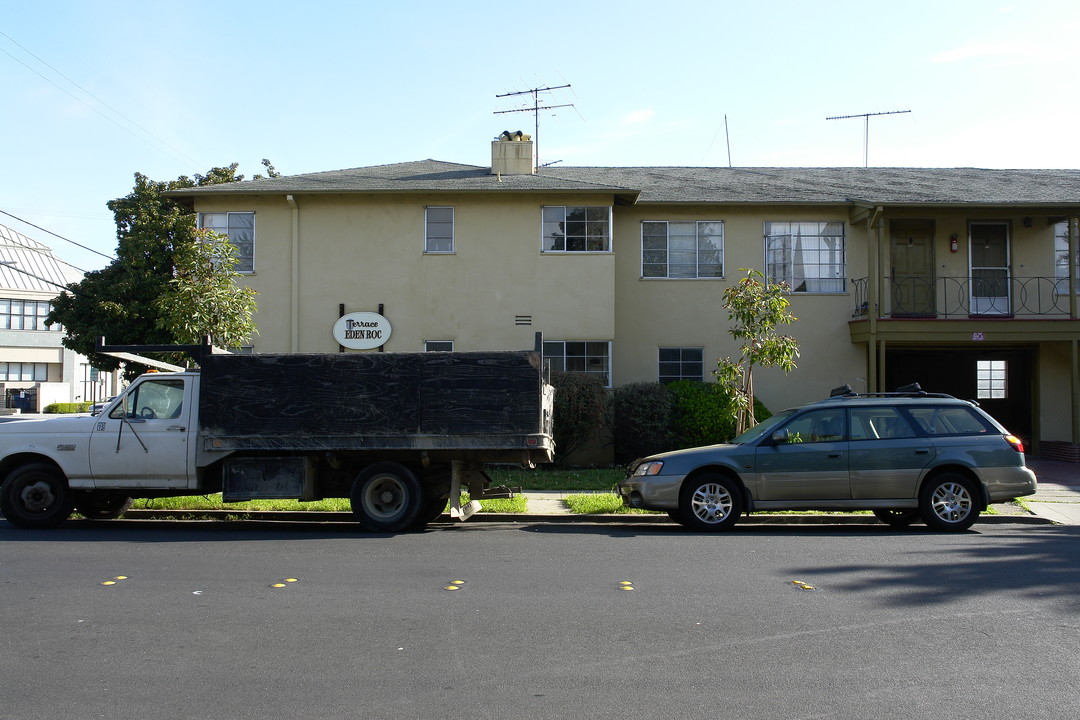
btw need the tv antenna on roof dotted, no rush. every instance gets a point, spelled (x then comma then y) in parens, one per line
(866, 129)
(535, 110)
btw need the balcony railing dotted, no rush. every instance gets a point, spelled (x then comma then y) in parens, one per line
(986, 295)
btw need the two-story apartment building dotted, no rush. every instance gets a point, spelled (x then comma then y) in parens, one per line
(956, 278)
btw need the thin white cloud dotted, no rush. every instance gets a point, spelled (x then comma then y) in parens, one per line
(637, 117)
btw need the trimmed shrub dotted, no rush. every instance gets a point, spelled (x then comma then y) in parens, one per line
(641, 423)
(580, 411)
(703, 413)
(66, 408)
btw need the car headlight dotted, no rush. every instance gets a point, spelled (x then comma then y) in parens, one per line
(653, 467)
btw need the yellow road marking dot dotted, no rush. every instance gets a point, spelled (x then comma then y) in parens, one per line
(457, 582)
(452, 587)
(278, 585)
(109, 582)
(120, 577)
(625, 582)
(626, 587)
(291, 580)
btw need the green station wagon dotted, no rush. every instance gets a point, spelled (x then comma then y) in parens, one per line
(906, 456)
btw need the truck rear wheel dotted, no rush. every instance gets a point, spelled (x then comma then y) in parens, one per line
(36, 496)
(386, 497)
(102, 505)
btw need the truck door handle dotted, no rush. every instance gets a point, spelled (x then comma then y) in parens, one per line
(922, 451)
(179, 428)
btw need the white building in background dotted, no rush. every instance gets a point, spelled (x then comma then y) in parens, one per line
(35, 368)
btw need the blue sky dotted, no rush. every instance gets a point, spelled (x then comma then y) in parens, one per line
(96, 91)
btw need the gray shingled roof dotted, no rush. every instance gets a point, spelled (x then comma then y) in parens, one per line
(884, 186)
(26, 264)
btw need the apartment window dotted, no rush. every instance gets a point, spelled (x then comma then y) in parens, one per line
(438, 346)
(678, 363)
(990, 380)
(1061, 258)
(576, 229)
(240, 227)
(439, 230)
(25, 315)
(24, 372)
(589, 357)
(682, 249)
(808, 256)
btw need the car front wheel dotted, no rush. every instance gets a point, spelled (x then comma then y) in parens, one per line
(948, 502)
(709, 502)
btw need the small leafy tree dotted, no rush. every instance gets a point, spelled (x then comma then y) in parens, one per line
(757, 309)
(203, 298)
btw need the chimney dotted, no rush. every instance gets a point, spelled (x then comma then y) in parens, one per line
(512, 154)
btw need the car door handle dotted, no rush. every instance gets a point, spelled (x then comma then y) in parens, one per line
(834, 455)
(178, 428)
(922, 451)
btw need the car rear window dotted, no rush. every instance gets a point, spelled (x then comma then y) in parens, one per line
(950, 420)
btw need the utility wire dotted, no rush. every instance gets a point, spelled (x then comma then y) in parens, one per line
(84, 247)
(101, 102)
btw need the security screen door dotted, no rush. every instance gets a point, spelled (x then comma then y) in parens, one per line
(989, 243)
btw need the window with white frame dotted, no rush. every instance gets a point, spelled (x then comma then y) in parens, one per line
(681, 363)
(24, 372)
(25, 315)
(1061, 259)
(576, 229)
(439, 229)
(589, 357)
(438, 346)
(808, 256)
(682, 249)
(991, 379)
(240, 227)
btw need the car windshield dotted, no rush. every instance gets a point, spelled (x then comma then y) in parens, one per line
(762, 428)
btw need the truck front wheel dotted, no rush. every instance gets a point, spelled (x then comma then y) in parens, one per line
(36, 496)
(386, 497)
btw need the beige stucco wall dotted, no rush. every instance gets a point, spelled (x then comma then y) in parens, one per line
(363, 251)
(654, 313)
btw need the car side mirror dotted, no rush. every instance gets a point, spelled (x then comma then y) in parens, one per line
(780, 437)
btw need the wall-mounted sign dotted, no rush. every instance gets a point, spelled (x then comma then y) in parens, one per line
(362, 330)
(978, 336)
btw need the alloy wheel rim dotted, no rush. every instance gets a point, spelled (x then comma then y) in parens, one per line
(951, 502)
(711, 503)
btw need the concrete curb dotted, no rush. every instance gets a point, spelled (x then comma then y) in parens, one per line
(561, 518)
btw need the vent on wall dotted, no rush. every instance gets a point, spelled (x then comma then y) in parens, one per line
(523, 319)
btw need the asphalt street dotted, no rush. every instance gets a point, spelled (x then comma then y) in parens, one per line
(137, 619)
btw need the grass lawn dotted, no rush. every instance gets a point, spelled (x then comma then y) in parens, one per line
(588, 480)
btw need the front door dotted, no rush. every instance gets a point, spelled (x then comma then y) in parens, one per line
(912, 268)
(143, 442)
(989, 243)
(812, 464)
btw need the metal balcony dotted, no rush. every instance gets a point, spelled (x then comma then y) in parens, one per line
(986, 295)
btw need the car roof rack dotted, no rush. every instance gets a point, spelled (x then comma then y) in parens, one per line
(911, 390)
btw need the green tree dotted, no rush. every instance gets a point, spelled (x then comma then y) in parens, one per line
(757, 309)
(203, 298)
(121, 301)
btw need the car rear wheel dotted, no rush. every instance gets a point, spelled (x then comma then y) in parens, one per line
(709, 502)
(897, 518)
(947, 502)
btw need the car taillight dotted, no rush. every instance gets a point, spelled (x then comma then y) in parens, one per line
(1017, 445)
